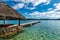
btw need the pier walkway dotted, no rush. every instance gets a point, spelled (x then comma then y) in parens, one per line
(30, 23)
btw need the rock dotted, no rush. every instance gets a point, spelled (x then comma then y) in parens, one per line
(42, 36)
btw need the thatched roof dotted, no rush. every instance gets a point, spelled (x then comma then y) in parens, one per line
(6, 12)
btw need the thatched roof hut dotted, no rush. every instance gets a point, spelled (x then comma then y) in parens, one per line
(6, 12)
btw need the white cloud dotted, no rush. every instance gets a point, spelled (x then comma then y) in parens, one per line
(52, 14)
(55, 4)
(34, 3)
(47, 2)
(44, 15)
(58, 6)
(18, 6)
(50, 9)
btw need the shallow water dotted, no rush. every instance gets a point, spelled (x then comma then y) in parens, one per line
(46, 30)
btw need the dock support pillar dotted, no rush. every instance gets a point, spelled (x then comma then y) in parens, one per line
(18, 22)
(4, 22)
(24, 21)
(31, 24)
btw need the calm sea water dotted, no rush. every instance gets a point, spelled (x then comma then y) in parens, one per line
(46, 30)
(14, 21)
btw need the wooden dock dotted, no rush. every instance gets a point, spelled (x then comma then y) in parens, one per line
(30, 23)
(13, 29)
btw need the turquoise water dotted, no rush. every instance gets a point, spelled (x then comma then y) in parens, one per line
(13, 21)
(46, 30)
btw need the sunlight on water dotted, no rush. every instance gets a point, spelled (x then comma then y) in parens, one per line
(46, 30)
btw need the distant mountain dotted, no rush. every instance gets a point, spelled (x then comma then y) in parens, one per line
(43, 19)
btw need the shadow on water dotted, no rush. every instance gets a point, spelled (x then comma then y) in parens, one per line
(12, 36)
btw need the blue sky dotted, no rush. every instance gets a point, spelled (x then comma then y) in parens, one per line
(36, 8)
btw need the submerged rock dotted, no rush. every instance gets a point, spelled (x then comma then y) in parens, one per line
(42, 36)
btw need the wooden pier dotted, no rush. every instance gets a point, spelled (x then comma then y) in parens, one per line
(13, 29)
(30, 23)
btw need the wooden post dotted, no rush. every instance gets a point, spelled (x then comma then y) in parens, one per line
(18, 22)
(24, 21)
(4, 22)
